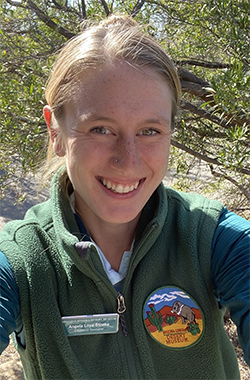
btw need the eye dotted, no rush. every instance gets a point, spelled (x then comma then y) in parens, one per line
(149, 132)
(100, 130)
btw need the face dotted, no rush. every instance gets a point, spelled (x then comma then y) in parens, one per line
(116, 139)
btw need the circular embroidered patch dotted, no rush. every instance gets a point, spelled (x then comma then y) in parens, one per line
(173, 318)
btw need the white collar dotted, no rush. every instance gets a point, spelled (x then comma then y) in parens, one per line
(113, 276)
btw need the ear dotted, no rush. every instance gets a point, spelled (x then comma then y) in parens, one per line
(54, 133)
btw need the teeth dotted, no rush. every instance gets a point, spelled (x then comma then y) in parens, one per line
(119, 188)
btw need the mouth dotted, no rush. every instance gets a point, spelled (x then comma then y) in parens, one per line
(119, 188)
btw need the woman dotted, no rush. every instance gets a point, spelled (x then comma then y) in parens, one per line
(116, 276)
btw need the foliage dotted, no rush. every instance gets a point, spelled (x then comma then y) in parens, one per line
(210, 43)
(208, 40)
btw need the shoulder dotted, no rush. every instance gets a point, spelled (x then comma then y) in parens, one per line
(229, 220)
(189, 215)
(232, 234)
(38, 216)
(193, 201)
(193, 216)
(21, 240)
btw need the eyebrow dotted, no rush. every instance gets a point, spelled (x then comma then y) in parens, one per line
(158, 120)
(97, 117)
(94, 117)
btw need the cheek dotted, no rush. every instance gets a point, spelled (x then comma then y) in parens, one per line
(83, 156)
(71, 152)
(161, 165)
(157, 155)
(76, 150)
(74, 158)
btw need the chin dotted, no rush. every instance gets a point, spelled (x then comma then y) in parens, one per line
(121, 218)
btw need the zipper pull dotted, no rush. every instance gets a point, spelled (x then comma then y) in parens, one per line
(120, 310)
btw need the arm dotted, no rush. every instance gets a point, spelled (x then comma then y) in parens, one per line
(230, 272)
(9, 302)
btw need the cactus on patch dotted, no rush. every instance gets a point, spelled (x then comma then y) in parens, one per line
(193, 328)
(170, 319)
(155, 318)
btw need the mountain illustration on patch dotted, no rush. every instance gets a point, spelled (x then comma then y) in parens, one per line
(173, 318)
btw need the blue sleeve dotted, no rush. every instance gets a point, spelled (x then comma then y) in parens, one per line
(230, 272)
(9, 302)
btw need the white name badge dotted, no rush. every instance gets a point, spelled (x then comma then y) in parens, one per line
(91, 324)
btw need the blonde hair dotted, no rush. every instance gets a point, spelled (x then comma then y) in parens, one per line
(116, 37)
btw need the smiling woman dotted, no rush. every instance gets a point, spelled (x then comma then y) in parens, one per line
(115, 137)
(111, 108)
(112, 246)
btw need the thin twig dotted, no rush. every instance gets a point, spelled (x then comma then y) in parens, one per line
(205, 158)
(232, 180)
(209, 65)
(105, 6)
(49, 22)
(138, 6)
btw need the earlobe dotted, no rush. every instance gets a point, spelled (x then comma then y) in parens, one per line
(54, 133)
(58, 145)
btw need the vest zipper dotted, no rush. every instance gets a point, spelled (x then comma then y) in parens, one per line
(120, 310)
(127, 341)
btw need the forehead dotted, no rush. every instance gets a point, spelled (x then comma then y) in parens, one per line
(118, 87)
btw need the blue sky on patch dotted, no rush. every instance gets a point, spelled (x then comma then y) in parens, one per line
(167, 296)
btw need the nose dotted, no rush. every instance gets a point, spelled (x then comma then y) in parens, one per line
(126, 155)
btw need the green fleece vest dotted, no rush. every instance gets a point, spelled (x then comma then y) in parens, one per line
(172, 249)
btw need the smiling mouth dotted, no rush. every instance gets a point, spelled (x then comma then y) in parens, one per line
(119, 188)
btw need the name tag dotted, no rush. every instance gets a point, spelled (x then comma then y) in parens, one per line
(91, 324)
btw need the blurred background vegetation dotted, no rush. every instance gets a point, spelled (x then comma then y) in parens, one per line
(208, 40)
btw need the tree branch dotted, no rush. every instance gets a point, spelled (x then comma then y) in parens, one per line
(50, 23)
(84, 14)
(11, 67)
(111, 6)
(66, 8)
(105, 6)
(205, 158)
(15, 3)
(232, 180)
(206, 115)
(25, 120)
(203, 132)
(209, 65)
(190, 77)
(138, 6)
(206, 95)
(196, 89)
(59, 6)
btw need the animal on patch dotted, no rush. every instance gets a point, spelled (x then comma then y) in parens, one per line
(186, 313)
